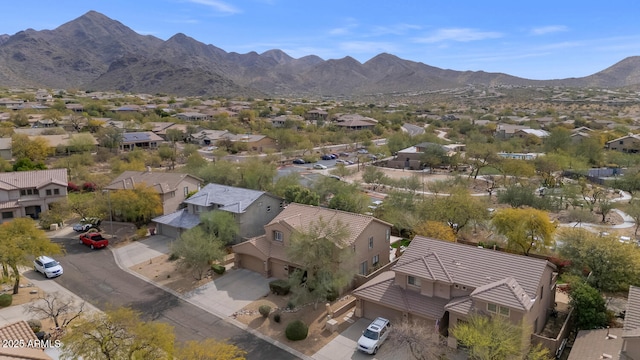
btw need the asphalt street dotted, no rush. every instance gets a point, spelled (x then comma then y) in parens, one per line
(94, 276)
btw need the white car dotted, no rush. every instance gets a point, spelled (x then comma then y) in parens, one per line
(374, 335)
(319, 166)
(47, 266)
(82, 227)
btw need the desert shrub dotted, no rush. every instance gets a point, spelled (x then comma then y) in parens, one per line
(291, 305)
(276, 317)
(218, 269)
(279, 287)
(296, 330)
(35, 325)
(332, 295)
(141, 233)
(173, 257)
(264, 310)
(6, 300)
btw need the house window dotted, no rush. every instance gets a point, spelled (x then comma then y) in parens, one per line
(371, 242)
(24, 192)
(388, 235)
(504, 311)
(412, 280)
(56, 191)
(375, 260)
(186, 190)
(621, 142)
(277, 235)
(493, 308)
(7, 215)
(48, 192)
(363, 268)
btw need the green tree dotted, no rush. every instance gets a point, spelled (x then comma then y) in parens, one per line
(21, 241)
(559, 140)
(81, 143)
(301, 195)
(481, 155)
(324, 257)
(489, 337)
(110, 138)
(457, 210)
(138, 205)
(633, 210)
(118, 334)
(197, 249)
(36, 150)
(220, 224)
(525, 229)
(613, 265)
(167, 153)
(421, 340)
(588, 305)
(373, 175)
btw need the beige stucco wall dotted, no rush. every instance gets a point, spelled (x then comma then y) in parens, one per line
(171, 203)
(258, 214)
(380, 233)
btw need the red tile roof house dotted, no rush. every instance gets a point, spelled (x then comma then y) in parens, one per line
(442, 283)
(266, 254)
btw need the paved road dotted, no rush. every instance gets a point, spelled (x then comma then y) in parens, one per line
(95, 277)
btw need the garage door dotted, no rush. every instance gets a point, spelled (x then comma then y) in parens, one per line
(168, 231)
(373, 310)
(252, 263)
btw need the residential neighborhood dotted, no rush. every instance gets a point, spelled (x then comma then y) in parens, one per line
(330, 213)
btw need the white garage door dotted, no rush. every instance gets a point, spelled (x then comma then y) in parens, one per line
(373, 310)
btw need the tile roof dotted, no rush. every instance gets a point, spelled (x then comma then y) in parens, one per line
(593, 344)
(162, 182)
(506, 292)
(179, 219)
(228, 198)
(33, 179)
(267, 248)
(632, 314)
(461, 305)
(20, 331)
(298, 216)
(381, 289)
(468, 265)
(133, 137)
(17, 331)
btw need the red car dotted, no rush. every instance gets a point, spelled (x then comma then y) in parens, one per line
(94, 240)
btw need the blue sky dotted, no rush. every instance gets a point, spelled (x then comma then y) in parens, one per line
(532, 39)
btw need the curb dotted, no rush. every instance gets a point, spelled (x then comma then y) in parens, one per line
(224, 318)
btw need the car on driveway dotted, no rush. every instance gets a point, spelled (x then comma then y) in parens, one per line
(80, 227)
(47, 266)
(374, 335)
(319, 166)
(94, 240)
(298, 161)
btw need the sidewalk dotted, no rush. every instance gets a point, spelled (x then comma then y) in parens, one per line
(208, 297)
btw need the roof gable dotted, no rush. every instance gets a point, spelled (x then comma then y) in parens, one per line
(470, 266)
(162, 182)
(505, 292)
(228, 198)
(33, 179)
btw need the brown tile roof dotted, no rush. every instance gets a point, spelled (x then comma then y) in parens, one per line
(20, 331)
(632, 315)
(461, 305)
(381, 289)
(593, 344)
(266, 247)
(17, 331)
(32, 179)
(298, 216)
(163, 182)
(470, 266)
(23, 353)
(507, 292)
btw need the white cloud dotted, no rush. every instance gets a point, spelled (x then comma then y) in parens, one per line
(398, 29)
(543, 30)
(458, 34)
(219, 6)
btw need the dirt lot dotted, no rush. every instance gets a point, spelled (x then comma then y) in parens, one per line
(166, 273)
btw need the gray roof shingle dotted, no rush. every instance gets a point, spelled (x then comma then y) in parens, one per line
(228, 198)
(32, 179)
(632, 315)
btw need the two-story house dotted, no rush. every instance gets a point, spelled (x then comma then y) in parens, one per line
(627, 144)
(252, 209)
(29, 193)
(442, 283)
(368, 238)
(173, 188)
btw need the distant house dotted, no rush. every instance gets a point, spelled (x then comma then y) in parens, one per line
(207, 137)
(252, 209)
(442, 283)
(266, 254)
(523, 133)
(507, 131)
(63, 143)
(355, 122)
(519, 156)
(281, 121)
(193, 116)
(173, 188)
(258, 143)
(29, 193)
(411, 157)
(616, 343)
(140, 140)
(316, 115)
(627, 144)
(5, 148)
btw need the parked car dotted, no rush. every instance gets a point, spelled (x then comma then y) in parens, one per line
(319, 166)
(47, 266)
(298, 161)
(363, 151)
(82, 227)
(94, 240)
(374, 335)
(326, 157)
(344, 154)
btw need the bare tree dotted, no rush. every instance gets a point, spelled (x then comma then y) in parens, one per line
(422, 339)
(57, 307)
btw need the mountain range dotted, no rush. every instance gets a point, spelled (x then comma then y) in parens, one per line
(94, 52)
